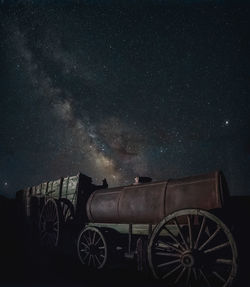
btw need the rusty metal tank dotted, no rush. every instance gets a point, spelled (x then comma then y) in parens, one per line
(151, 202)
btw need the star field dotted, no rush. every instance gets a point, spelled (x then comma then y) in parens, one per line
(116, 90)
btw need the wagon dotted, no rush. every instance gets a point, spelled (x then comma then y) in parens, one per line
(177, 228)
(50, 207)
(171, 226)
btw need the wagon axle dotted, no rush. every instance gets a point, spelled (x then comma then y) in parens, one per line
(93, 249)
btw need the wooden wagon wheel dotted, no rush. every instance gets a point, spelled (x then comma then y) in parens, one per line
(92, 248)
(50, 223)
(67, 210)
(193, 247)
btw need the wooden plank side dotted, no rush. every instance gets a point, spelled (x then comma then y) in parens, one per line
(72, 189)
(73, 181)
(65, 188)
(54, 189)
(38, 190)
(32, 191)
(43, 188)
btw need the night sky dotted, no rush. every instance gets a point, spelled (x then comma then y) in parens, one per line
(117, 89)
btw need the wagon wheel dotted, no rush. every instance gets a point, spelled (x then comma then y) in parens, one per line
(67, 210)
(92, 248)
(50, 223)
(193, 247)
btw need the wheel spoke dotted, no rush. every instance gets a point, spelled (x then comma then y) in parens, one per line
(85, 244)
(210, 238)
(190, 232)
(205, 278)
(217, 247)
(98, 261)
(219, 277)
(89, 261)
(168, 263)
(65, 210)
(47, 211)
(180, 275)
(224, 261)
(171, 272)
(84, 250)
(195, 274)
(188, 276)
(93, 239)
(97, 240)
(165, 245)
(51, 214)
(93, 260)
(173, 237)
(179, 229)
(86, 256)
(86, 239)
(89, 236)
(207, 231)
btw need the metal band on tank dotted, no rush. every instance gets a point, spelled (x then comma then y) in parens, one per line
(88, 207)
(118, 203)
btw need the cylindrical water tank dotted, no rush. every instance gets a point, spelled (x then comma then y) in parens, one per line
(151, 202)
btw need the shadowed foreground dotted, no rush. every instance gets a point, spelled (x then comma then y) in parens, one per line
(24, 264)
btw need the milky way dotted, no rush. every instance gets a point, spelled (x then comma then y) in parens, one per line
(96, 145)
(118, 90)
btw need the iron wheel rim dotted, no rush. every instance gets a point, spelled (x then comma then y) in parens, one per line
(92, 248)
(188, 254)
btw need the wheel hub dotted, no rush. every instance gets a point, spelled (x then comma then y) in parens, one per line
(92, 249)
(49, 226)
(187, 259)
